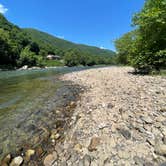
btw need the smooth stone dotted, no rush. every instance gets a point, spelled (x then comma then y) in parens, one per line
(160, 149)
(148, 164)
(87, 160)
(57, 136)
(81, 163)
(147, 119)
(163, 164)
(78, 147)
(138, 160)
(160, 119)
(6, 160)
(39, 151)
(17, 161)
(110, 106)
(125, 133)
(95, 141)
(29, 153)
(163, 109)
(123, 154)
(50, 159)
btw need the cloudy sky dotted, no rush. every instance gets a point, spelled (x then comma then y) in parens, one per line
(92, 22)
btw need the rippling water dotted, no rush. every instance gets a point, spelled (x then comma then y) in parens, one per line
(26, 98)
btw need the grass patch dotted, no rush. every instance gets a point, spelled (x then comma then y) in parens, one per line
(50, 63)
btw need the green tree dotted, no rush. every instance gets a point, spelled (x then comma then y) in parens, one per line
(27, 57)
(8, 49)
(72, 58)
(145, 51)
(151, 24)
(125, 47)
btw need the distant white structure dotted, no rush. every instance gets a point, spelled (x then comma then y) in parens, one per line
(53, 57)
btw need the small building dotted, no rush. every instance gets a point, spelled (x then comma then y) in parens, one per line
(53, 57)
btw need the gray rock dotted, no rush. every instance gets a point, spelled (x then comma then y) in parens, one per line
(81, 163)
(148, 164)
(147, 119)
(110, 106)
(87, 160)
(138, 160)
(163, 164)
(164, 140)
(63, 163)
(125, 133)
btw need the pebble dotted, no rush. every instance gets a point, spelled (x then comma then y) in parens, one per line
(6, 160)
(124, 154)
(160, 149)
(125, 133)
(95, 141)
(87, 160)
(147, 119)
(29, 153)
(17, 161)
(50, 159)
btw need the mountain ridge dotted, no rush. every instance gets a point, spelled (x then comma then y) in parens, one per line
(39, 36)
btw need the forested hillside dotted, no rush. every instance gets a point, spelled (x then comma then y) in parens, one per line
(145, 47)
(30, 47)
(47, 40)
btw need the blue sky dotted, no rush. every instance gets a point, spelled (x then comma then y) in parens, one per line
(92, 22)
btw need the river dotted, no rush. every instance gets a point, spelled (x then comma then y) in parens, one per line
(28, 100)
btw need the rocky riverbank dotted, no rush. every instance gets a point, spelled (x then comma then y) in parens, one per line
(120, 120)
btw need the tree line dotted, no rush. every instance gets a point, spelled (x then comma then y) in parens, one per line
(144, 48)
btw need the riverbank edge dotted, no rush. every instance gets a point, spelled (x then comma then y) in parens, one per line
(35, 155)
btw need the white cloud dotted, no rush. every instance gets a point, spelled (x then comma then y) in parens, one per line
(102, 48)
(61, 37)
(3, 9)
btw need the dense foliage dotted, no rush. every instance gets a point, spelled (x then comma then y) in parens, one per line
(145, 47)
(75, 57)
(16, 47)
(19, 47)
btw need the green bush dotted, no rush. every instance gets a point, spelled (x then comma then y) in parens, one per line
(29, 58)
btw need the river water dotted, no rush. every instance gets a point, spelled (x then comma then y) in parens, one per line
(27, 102)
